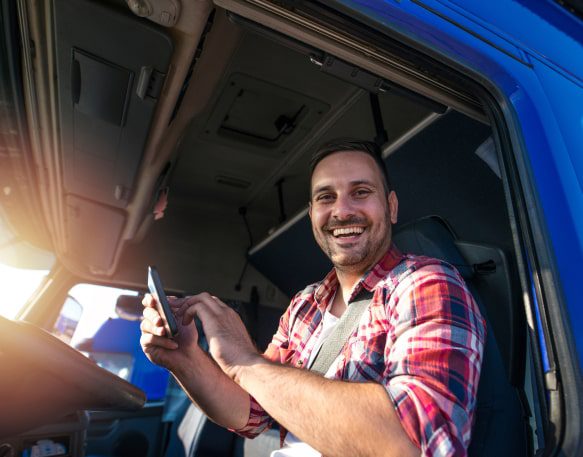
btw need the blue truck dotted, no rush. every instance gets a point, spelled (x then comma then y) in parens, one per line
(178, 133)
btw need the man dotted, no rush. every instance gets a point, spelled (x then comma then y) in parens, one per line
(412, 364)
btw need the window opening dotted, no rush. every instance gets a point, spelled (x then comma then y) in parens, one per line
(104, 323)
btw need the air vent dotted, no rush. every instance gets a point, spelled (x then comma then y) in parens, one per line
(232, 181)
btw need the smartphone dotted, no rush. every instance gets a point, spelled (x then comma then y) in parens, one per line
(156, 289)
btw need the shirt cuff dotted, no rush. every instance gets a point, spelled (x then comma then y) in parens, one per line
(258, 420)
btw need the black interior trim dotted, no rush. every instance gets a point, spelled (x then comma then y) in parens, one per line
(346, 20)
(574, 6)
(29, 223)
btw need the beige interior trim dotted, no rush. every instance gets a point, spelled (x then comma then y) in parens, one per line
(163, 139)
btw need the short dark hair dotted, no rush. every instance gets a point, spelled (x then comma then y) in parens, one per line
(352, 144)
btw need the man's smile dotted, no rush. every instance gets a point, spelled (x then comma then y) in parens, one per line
(341, 232)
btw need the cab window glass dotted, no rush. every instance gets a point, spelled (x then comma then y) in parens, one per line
(93, 322)
(23, 267)
(98, 306)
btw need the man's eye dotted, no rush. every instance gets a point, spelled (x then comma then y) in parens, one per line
(362, 192)
(324, 198)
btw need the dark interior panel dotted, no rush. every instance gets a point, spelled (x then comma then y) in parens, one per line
(438, 172)
(290, 258)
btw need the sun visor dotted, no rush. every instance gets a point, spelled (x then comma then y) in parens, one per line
(93, 233)
(290, 257)
(109, 85)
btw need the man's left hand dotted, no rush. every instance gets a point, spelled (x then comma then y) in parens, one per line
(229, 343)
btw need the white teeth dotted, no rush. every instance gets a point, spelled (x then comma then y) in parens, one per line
(348, 231)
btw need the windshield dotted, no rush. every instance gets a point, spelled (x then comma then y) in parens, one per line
(17, 285)
(23, 267)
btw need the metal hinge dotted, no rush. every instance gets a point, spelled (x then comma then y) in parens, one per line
(551, 380)
(150, 83)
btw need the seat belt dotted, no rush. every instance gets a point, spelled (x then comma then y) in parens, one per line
(345, 326)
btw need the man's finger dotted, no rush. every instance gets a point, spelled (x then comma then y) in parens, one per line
(199, 309)
(153, 316)
(176, 303)
(191, 312)
(148, 301)
(151, 342)
(147, 326)
(212, 304)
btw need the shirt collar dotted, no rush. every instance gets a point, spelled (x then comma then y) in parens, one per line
(326, 290)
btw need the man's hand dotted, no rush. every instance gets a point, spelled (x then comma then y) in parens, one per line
(229, 343)
(169, 353)
(204, 381)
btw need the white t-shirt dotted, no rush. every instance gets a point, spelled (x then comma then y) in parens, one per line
(292, 446)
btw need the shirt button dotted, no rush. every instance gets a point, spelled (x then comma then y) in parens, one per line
(300, 363)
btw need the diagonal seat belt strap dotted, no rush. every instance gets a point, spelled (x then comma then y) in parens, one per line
(344, 328)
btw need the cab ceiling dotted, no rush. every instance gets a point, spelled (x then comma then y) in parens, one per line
(270, 108)
(254, 110)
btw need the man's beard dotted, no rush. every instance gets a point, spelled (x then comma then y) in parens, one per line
(354, 258)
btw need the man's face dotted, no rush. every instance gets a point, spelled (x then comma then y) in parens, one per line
(350, 211)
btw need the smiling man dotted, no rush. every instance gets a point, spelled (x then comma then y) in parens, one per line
(405, 380)
(351, 209)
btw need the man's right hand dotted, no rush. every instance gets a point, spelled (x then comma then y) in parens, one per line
(163, 351)
(204, 381)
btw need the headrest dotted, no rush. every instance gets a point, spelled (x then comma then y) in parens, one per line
(129, 307)
(431, 236)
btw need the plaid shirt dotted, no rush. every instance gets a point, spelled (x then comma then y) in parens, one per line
(422, 338)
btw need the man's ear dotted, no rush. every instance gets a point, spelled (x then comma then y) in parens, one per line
(393, 206)
(310, 209)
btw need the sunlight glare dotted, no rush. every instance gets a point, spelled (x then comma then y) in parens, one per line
(16, 286)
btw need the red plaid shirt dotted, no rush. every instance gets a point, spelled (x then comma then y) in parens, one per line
(422, 338)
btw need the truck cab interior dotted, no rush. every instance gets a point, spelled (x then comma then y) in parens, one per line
(182, 139)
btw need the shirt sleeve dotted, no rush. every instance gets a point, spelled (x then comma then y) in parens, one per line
(434, 355)
(277, 351)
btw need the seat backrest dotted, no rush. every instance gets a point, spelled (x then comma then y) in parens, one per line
(261, 446)
(501, 426)
(120, 336)
(192, 434)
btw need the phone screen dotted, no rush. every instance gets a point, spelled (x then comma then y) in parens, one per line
(156, 289)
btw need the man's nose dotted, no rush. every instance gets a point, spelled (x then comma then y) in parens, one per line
(343, 208)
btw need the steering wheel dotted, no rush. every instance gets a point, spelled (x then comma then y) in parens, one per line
(44, 379)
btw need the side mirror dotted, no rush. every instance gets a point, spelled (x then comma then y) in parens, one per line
(68, 319)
